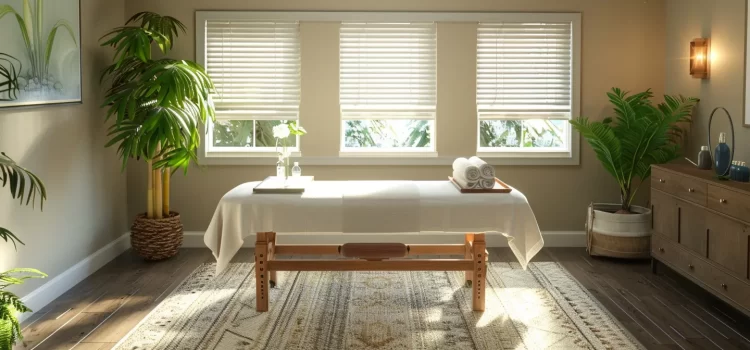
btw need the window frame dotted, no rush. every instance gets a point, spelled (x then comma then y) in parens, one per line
(399, 158)
(207, 150)
(418, 112)
(570, 153)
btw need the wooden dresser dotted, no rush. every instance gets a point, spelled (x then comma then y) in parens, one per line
(701, 227)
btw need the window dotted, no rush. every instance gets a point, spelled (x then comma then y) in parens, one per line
(525, 90)
(525, 87)
(255, 66)
(387, 86)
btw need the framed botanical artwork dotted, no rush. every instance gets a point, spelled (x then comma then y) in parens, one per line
(40, 52)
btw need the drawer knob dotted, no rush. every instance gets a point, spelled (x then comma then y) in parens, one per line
(662, 181)
(691, 190)
(723, 201)
(691, 266)
(724, 285)
(661, 250)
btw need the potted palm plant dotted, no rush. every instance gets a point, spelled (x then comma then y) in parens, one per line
(641, 134)
(157, 107)
(27, 187)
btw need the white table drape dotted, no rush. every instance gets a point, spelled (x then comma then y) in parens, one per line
(372, 207)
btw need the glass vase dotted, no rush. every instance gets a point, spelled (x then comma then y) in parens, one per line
(282, 166)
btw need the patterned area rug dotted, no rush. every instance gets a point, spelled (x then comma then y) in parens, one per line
(541, 308)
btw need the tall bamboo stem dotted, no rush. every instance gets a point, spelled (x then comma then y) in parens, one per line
(150, 185)
(158, 196)
(165, 191)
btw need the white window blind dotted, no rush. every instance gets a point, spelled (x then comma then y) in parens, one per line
(256, 68)
(388, 70)
(524, 70)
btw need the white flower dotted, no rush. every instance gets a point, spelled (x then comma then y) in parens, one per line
(281, 131)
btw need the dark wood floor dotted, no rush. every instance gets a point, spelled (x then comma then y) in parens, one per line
(663, 311)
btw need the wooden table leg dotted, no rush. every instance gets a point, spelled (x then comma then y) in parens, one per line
(468, 241)
(271, 236)
(480, 272)
(261, 272)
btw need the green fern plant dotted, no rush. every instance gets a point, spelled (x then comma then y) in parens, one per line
(11, 305)
(27, 188)
(640, 134)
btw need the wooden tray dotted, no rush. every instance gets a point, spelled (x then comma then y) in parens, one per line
(500, 187)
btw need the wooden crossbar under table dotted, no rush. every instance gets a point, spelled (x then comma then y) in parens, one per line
(473, 251)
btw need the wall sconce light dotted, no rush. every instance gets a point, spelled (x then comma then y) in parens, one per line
(700, 51)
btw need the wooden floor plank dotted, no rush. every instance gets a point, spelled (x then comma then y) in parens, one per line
(94, 346)
(140, 303)
(62, 311)
(641, 283)
(245, 255)
(109, 303)
(70, 335)
(640, 298)
(700, 306)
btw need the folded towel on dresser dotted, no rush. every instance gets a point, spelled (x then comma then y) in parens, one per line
(469, 172)
(460, 179)
(486, 171)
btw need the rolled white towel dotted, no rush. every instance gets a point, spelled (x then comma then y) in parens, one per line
(486, 171)
(461, 180)
(470, 172)
(486, 184)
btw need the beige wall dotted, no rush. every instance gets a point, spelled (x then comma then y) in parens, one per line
(623, 45)
(64, 146)
(724, 22)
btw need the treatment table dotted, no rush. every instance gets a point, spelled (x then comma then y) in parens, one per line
(372, 207)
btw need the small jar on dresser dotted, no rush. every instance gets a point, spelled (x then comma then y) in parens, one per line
(701, 229)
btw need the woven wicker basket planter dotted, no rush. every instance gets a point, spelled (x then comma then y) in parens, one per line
(612, 235)
(156, 239)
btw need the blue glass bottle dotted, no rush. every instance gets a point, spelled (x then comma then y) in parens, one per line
(722, 156)
(744, 173)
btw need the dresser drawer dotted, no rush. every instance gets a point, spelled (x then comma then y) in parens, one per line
(665, 215)
(693, 227)
(719, 281)
(684, 187)
(729, 202)
(668, 252)
(728, 244)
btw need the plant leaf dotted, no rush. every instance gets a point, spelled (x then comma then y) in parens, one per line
(51, 37)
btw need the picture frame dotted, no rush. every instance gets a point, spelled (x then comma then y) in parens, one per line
(40, 53)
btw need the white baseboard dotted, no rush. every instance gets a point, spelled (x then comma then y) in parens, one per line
(194, 239)
(61, 283)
